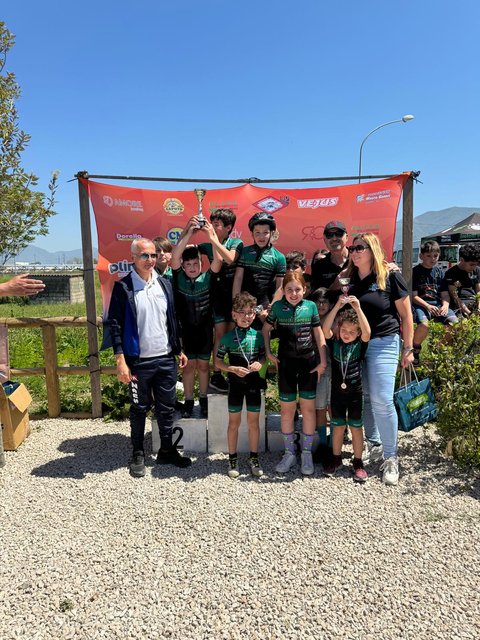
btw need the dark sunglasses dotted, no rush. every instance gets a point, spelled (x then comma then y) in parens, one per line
(146, 256)
(334, 234)
(359, 248)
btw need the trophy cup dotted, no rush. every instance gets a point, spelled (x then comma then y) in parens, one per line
(345, 282)
(200, 193)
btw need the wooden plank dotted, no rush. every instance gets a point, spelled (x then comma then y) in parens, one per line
(51, 377)
(88, 276)
(29, 323)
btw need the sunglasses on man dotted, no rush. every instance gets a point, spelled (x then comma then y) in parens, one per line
(334, 234)
(146, 256)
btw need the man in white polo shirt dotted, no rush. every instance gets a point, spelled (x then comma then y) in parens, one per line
(145, 339)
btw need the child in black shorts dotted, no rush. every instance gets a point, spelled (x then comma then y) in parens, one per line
(246, 354)
(346, 405)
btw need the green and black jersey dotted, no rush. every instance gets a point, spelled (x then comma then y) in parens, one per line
(224, 278)
(294, 325)
(243, 347)
(347, 364)
(192, 296)
(168, 273)
(261, 268)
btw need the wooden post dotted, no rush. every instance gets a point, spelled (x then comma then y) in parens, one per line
(51, 377)
(407, 232)
(88, 276)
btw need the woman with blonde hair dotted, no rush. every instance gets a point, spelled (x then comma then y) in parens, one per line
(385, 301)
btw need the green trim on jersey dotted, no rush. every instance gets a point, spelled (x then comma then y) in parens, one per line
(261, 268)
(294, 326)
(249, 344)
(193, 297)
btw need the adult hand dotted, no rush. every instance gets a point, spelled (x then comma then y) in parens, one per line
(124, 374)
(407, 359)
(21, 285)
(435, 311)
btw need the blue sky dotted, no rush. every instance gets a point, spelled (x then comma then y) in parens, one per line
(228, 89)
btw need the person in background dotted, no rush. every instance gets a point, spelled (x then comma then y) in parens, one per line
(322, 398)
(325, 271)
(261, 267)
(193, 292)
(164, 256)
(430, 302)
(298, 326)
(319, 254)
(246, 355)
(21, 285)
(229, 249)
(385, 301)
(346, 354)
(463, 280)
(145, 338)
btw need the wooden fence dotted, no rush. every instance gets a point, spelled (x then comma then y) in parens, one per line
(51, 370)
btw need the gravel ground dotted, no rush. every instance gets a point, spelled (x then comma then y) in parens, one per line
(88, 552)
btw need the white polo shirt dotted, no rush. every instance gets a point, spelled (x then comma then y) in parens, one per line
(151, 305)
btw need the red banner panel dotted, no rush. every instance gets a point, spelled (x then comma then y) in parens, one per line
(123, 214)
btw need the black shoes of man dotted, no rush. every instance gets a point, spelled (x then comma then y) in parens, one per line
(165, 456)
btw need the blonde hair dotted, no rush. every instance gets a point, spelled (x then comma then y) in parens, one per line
(379, 263)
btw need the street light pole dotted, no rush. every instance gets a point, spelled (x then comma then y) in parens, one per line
(406, 118)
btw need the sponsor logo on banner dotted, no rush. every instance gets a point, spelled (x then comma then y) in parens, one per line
(173, 234)
(271, 204)
(125, 237)
(315, 203)
(313, 233)
(134, 205)
(236, 234)
(173, 206)
(121, 268)
(385, 194)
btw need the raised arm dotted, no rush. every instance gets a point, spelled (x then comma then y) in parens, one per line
(362, 318)
(182, 243)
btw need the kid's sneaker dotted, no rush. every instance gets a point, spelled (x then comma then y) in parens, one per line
(390, 471)
(307, 463)
(330, 467)
(255, 467)
(233, 471)
(359, 473)
(286, 463)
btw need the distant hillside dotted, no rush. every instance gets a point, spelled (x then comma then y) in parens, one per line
(34, 254)
(430, 222)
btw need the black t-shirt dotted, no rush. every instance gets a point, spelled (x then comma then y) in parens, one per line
(466, 282)
(379, 305)
(324, 272)
(428, 283)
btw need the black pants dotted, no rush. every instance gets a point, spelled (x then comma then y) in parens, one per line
(155, 377)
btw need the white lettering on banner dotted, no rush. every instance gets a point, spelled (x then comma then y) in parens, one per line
(315, 203)
(374, 197)
(133, 205)
(128, 236)
(123, 266)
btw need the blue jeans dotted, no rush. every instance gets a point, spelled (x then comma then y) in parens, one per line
(379, 413)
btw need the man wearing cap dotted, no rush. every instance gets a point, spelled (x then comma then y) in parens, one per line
(325, 271)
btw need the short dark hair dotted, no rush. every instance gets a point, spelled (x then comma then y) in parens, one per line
(347, 315)
(242, 300)
(227, 216)
(430, 245)
(296, 259)
(191, 253)
(162, 243)
(319, 294)
(470, 252)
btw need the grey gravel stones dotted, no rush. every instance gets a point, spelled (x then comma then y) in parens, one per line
(88, 552)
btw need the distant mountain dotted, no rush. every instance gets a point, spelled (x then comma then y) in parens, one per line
(431, 222)
(32, 254)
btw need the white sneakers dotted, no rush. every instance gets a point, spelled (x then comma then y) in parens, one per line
(286, 463)
(307, 468)
(390, 471)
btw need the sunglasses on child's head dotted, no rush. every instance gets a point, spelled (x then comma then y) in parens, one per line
(359, 248)
(334, 234)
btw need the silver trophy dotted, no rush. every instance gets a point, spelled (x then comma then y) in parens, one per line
(200, 193)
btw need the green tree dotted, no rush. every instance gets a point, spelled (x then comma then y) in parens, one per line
(24, 212)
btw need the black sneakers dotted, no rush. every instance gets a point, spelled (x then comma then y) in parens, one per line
(172, 456)
(218, 382)
(187, 409)
(137, 464)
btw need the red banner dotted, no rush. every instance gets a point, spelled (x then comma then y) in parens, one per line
(123, 214)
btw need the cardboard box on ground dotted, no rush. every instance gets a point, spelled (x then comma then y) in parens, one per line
(14, 403)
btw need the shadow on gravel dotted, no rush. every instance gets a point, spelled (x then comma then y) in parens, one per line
(95, 454)
(429, 469)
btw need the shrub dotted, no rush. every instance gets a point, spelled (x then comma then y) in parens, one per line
(452, 362)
